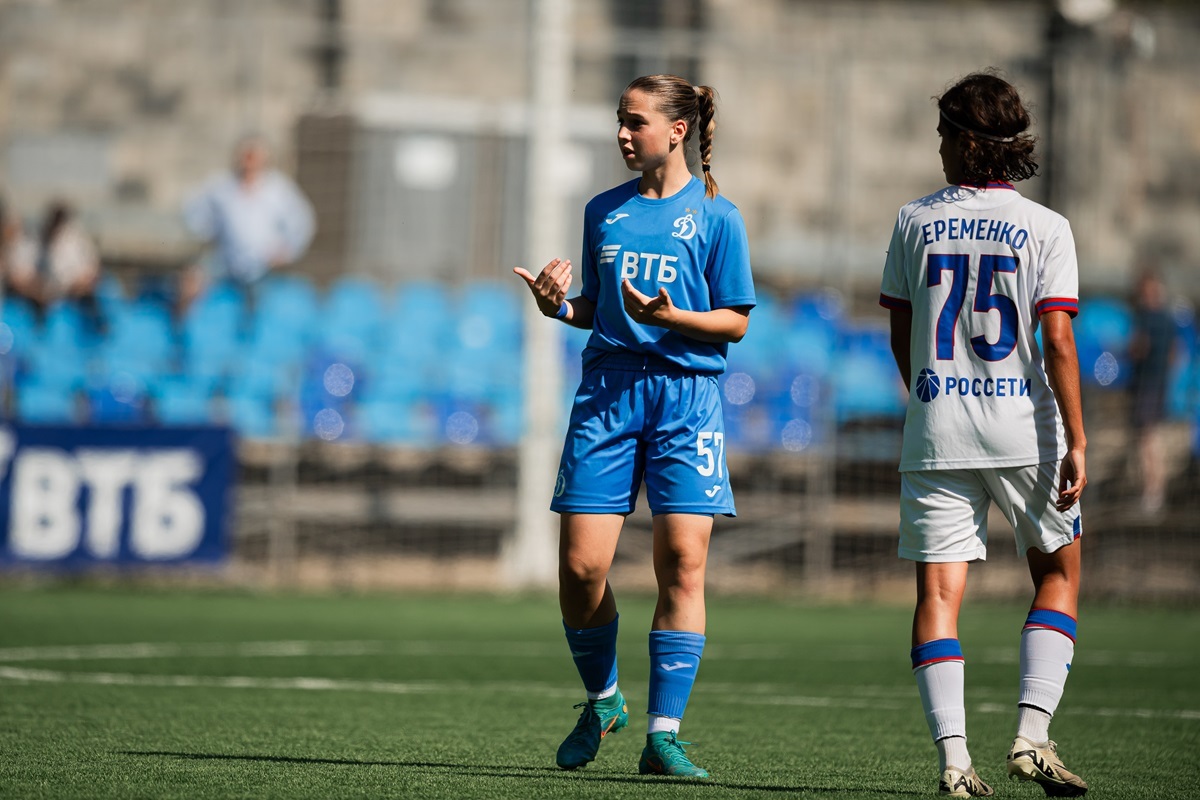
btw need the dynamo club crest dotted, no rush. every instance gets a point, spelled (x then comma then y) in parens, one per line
(685, 227)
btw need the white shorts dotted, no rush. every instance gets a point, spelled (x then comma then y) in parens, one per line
(944, 513)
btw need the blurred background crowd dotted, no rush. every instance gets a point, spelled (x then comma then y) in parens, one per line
(298, 219)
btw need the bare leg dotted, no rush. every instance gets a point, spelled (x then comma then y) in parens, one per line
(586, 547)
(940, 589)
(680, 560)
(1056, 578)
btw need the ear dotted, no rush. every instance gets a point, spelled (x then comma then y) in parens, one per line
(679, 131)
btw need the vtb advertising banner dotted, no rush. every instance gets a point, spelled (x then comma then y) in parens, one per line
(82, 496)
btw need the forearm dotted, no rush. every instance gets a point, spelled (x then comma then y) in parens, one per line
(580, 312)
(717, 326)
(1062, 371)
(901, 340)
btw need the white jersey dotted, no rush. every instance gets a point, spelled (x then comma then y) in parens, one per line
(977, 266)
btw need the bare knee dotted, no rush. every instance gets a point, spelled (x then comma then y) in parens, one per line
(575, 572)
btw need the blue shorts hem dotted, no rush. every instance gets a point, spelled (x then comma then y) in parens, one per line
(725, 511)
(569, 508)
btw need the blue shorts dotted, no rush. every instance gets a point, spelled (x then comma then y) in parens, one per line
(632, 421)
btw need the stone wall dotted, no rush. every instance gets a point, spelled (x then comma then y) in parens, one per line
(826, 123)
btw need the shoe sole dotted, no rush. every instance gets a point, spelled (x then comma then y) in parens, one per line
(1024, 769)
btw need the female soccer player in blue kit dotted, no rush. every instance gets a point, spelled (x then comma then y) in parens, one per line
(993, 417)
(666, 288)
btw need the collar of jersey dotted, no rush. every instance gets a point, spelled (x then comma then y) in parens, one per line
(663, 201)
(988, 185)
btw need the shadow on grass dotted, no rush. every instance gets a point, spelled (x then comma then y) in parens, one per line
(512, 771)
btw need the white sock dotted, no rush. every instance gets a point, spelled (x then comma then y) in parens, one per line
(1033, 724)
(941, 687)
(663, 724)
(952, 752)
(604, 695)
(1045, 663)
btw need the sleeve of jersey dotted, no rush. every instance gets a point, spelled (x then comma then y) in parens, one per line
(893, 291)
(730, 282)
(1058, 289)
(587, 262)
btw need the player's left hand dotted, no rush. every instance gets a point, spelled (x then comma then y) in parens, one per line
(657, 310)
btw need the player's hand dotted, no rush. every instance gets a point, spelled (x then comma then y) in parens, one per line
(550, 286)
(1072, 479)
(657, 310)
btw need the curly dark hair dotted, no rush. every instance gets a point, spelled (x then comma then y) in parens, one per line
(989, 123)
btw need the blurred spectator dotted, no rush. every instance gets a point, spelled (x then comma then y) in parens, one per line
(62, 264)
(255, 217)
(1150, 353)
(17, 251)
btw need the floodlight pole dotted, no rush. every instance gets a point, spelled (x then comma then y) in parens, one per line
(530, 556)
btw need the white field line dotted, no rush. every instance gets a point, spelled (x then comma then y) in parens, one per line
(719, 692)
(292, 649)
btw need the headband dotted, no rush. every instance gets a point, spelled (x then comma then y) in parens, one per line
(980, 134)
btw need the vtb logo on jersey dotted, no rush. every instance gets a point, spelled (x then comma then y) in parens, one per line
(686, 227)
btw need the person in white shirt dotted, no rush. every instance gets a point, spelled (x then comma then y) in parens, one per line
(256, 218)
(972, 271)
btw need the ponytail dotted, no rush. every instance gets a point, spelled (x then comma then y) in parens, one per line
(706, 106)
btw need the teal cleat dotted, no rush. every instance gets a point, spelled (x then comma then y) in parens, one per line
(663, 755)
(597, 721)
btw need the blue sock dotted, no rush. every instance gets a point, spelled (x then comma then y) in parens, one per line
(674, 661)
(595, 654)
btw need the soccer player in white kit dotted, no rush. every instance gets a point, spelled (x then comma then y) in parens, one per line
(971, 272)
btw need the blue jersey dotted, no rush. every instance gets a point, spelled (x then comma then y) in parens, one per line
(693, 246)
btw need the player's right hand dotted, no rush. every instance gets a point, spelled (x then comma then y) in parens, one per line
(550, 285)
(1072, 477)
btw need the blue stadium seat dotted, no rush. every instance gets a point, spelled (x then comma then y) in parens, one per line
(19, 317)
(284, 319)
(397, 422)
(119, 400)
(184, 402)
(761, 353)
(351, 317)
(44, 404)
(265, 375)
(66, 325)
(252, 415)
(143, 331)
(110, 295)
(289, 301)
(1102, 332)
(65, 366)
(864, 379)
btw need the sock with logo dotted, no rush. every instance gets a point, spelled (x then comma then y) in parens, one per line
(1047, 647)
(674, 661)
(595, 654)
(938, 668)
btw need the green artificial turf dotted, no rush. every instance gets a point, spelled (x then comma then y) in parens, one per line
(453, 696)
